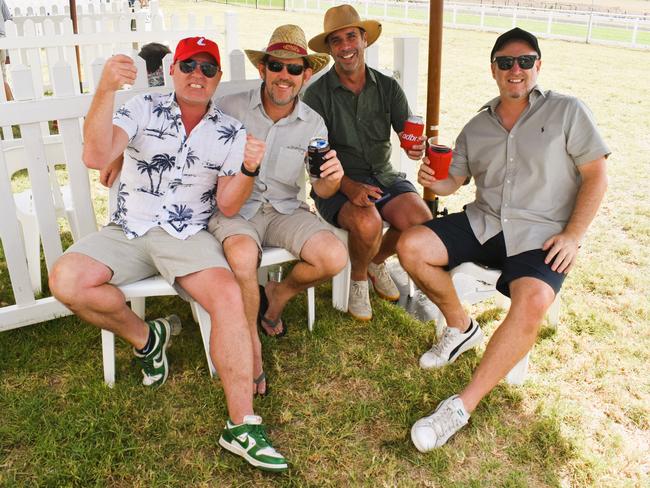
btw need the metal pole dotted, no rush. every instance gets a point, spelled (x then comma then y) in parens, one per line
(433, 85)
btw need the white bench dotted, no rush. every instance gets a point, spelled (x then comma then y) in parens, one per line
(69, 108)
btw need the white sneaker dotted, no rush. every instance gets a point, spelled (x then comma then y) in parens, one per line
(436, 429)
(451, 345)
(382, 282)
(359, 301)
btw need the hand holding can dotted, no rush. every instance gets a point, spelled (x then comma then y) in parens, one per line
(413, 129)
(439, 159)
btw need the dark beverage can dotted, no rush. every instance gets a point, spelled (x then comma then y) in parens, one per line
(316, 151)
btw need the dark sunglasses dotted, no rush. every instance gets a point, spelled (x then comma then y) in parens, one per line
(525, 61)
(292, 69)
(208, 69)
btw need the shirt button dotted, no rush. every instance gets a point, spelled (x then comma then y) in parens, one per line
(164, 207)
(178, 167)
(505, 220)
(512, 136)
(158, 222)
(511, 160)
(507, 181)
(505, 204)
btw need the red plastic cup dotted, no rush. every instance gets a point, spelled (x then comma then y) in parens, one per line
(413, 129)
(439, 159)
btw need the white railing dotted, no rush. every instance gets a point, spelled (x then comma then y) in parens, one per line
(39, 52)
(31, 112)
(572, 25)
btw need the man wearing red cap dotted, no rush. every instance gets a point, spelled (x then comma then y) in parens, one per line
(176, 147)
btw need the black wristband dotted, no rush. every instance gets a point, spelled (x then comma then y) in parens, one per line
(252, 174)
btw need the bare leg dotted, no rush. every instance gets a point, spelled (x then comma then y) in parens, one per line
(230, 340)
(242, 254)
(402, 212)
(81, 284)
(322, 257)
(423, 256)
(364, 226)
(530, 299)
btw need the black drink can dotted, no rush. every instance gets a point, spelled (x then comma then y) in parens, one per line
(316, 151)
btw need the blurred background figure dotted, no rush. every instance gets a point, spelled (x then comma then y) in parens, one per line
(153, 54)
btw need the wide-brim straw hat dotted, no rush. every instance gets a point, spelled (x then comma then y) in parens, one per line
(342, 17)
(288, 41)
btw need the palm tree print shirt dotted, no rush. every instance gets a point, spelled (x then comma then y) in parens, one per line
(169, 179)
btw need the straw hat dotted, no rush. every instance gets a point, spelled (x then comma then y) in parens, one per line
(288, 41)
(342, 17)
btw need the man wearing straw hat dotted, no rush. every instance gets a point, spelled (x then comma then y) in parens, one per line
(176, 147)
(359, 106)
(273, 215)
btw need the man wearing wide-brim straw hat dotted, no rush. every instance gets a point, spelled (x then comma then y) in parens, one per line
(359, 106)
(280, 125)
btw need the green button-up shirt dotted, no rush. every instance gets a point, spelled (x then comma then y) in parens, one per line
(359, 125)
(527, 179)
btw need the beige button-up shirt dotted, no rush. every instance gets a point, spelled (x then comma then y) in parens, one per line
(527, 179)
(282, 172)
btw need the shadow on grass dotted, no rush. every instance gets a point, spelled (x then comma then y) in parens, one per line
(343, 399)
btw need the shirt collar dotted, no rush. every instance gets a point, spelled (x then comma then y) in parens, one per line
(535, 95)
(335, 82)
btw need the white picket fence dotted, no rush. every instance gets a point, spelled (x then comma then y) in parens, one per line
(572, 25)
(39, 50)
(31, 111)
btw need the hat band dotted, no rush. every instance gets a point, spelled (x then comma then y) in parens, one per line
(287, 46)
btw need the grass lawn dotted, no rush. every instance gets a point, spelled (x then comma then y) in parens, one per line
(343, 398)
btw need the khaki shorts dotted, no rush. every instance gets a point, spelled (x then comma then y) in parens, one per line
(268, 227)
(156, 252)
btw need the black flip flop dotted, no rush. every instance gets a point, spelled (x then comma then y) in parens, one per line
(261, 319)
(261, 378)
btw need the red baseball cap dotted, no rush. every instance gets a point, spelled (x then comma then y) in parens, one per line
(190, 46)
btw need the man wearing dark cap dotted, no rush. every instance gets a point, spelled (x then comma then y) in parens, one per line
(176, 147)
(538, 162)
(360, 106)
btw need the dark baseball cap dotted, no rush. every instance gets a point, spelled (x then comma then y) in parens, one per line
(515, 34)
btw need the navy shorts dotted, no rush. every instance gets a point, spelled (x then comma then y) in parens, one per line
(329, 208)
(462, 246)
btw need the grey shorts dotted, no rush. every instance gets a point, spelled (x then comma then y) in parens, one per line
(268, 227)
(156, 252)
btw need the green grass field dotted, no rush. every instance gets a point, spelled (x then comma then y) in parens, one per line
(343, 398)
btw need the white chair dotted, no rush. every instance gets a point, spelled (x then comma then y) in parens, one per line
(16, 159)
(137, 292)
(475, 283)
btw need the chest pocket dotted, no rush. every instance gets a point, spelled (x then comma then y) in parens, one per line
(289, 166)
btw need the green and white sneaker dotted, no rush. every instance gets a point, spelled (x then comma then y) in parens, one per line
(249, 441)
(154, 365)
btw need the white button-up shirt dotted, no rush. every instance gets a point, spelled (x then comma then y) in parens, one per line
(169, 179)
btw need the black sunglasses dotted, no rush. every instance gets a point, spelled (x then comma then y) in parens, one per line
(292, 69)
(525, 61)
(210, 70)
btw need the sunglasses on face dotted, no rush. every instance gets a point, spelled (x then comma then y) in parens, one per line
(292, 69)
(210, 70)
(525, 61)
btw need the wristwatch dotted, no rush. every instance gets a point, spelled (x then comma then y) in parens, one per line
(252, 174)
